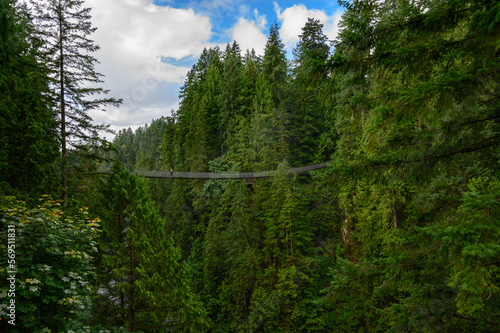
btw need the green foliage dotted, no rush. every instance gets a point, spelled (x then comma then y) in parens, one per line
(274, 65)
(27, 127)
(469, 246)
(65, 26)
(416, 130)
(229, 103)
(309, 102)
(53, 254)
(142, 284)
(399, 234)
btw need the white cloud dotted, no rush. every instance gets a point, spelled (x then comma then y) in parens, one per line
(244, 10)
(217, 4)
(331, 28)
(294, 18)
(134, 36)
(249, 33)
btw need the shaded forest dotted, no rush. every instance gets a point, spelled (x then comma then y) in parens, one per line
(399, 233)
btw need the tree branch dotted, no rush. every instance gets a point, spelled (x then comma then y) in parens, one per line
(466, 149)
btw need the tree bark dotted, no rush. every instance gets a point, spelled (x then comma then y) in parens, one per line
(64, 151)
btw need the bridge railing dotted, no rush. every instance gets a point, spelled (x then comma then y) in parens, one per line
(219, 175)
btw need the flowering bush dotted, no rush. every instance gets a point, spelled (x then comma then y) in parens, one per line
(49, 256)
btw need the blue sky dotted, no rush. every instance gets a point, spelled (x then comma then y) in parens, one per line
(148, 46)
(225, 14)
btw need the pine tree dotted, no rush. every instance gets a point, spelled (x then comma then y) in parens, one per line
(274, 65)
(230, 90)
(27, 126)
(417, 87)
(309, 75)
(143, 283)
(65, 26)
(274, 68)
(197, 130)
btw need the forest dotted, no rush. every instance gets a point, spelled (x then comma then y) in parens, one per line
(399, 233)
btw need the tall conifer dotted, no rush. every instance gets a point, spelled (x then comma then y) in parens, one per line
(274, 68)
(230, 91)
(309, 76)
(65, 26)
(274, 64)
(418, 125)
(143, 285)
(27, 126)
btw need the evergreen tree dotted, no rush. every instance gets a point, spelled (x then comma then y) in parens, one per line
(27, 126)
(230, 90)
(144, 287)
(214, 263)
(209, 113)
(400, 232)
(123, 143)
(197, 133)
(311, 53)
(149, 146)
(418, 96)
(65, 26)
(308, 110)
(274, 65)
(238, 142)
(282, 296)
(275, 71)
(241, 247)
(168, 142)
(262, 143)
(251, 69)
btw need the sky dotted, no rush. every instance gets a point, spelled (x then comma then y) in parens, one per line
(148, 46)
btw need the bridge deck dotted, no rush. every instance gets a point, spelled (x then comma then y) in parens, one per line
(221, 175)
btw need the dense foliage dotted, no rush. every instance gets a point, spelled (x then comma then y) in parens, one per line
(52, 262)
(64, 26)
(142, 284)
(400, 233)
(28, 135)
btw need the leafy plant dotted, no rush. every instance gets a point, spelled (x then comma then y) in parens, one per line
(54, 268)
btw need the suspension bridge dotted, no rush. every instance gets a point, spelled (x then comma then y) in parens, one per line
(220, 175)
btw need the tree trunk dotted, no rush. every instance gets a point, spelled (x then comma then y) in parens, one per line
(395, 214)
(132, 292)
(64, 151)
(345, 228)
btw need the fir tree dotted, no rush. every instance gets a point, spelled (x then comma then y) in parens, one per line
(275, 71)
(309, 73)
(27, 125)
(197, 133)
(143, 283)
(230, 90)
(416, 128)
(65, 26)
(275, 64)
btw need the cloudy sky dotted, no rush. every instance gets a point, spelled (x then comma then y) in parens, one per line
(148, 46)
